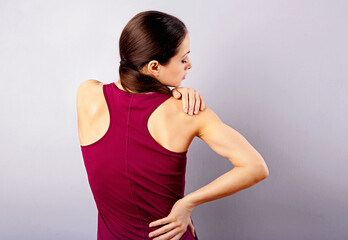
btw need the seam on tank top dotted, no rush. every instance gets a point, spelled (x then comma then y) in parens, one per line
(130, 186)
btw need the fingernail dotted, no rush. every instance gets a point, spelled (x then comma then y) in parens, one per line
(191, 112)
(185, 109)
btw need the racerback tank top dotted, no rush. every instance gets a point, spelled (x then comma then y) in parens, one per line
(134, 180)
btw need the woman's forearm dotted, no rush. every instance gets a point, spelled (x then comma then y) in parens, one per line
(227, 184)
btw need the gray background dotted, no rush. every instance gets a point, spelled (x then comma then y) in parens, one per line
(276, 71)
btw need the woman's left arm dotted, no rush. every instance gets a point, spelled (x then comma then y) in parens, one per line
(192, 101)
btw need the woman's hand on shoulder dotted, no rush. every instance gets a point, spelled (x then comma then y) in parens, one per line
(192, 101)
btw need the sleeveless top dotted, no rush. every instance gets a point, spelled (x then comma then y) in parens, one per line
(134, 180)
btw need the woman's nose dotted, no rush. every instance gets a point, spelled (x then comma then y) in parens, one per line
(190, 65)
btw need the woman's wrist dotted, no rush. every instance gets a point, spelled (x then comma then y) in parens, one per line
(187, 202)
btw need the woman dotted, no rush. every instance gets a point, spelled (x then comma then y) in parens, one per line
(134, 138)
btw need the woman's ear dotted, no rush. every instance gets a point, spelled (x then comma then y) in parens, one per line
(153, 67)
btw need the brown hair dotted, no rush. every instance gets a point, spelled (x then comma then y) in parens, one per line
(149, 35)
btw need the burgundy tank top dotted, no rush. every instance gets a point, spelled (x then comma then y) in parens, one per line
(134, 180)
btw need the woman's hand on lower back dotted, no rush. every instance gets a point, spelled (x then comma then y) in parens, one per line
(175, 224)
(192, 101)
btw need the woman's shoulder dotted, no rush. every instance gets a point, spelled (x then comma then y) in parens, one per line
(196, 122)
(90, 95)
(89, 86)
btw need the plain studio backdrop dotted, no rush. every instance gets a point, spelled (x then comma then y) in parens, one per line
(276, 71)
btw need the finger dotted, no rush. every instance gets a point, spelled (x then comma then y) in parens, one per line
(202, 103)
(197, 103)
(177, 237)
(184, 99)
(174, 234)
(179, 94)
(191, 101)
(162, 230)
(161, 221)
(176, 93)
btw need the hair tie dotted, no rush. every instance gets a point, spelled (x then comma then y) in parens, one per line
(125, 64)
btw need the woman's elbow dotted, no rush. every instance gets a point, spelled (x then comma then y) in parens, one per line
(261, 171)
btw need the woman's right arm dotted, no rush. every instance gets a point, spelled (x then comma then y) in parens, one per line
(249, 166)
